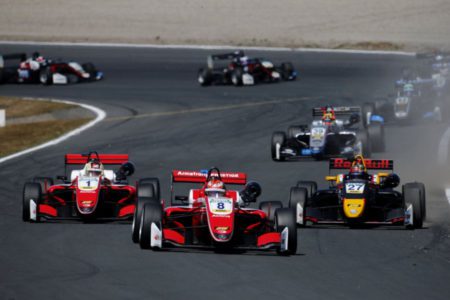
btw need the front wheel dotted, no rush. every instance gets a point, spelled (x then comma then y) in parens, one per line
(413, 193)
(278, 141)
(269, 208)
(285, 218)
(150, 229)
(297, 200)
(139, 208)
(30, 201)
(46, 76)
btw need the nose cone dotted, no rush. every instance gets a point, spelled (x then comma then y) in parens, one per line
(354, 208)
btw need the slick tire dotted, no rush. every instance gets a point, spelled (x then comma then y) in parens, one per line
(298, 195)
(152, 213)
(363, 137)
(376, 136)
(236, 77)
(45, 183)
(293, 131)
(287, 69)
(269, 208)
(278, 141)
(31, 192)
(368, 109)
(144, 189)
(140, 203)
(285, 217)
(204, 77)
(46, 76)
(310, 186)
(412, 193)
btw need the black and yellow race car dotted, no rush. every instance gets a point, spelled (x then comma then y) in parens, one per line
(356, 198)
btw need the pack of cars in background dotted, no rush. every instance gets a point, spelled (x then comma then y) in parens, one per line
(213, 216)
(422, 92)
(17, 68)
(240, 69)
(334, 132)
(92, 193)
(359, 198)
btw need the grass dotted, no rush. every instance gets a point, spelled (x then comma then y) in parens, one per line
(18, 137)
(16, 108)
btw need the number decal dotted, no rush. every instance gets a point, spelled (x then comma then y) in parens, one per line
(355, 188)
(220, 205)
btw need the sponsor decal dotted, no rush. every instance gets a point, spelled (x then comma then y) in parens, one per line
(341, 163)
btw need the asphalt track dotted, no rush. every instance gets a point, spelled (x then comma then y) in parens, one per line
(160, 116)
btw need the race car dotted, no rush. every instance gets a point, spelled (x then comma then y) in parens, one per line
(243, 70)
(335, 131)
(415, 98)
(358, 198)
(215, 217)
(37, 69)
(91, 193)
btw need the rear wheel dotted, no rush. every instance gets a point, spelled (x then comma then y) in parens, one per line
(204, 77)
(236, 77)
(45, 183)
(46, 76)
(31, 198)
(298, 200)
(285, 218)
(366, 148)
(310, 186)
(145, 191)
(140, 203)
(278, 141)
(269, 208)
(376, 135)
(152, 213)
(368, 109)
(412, 193)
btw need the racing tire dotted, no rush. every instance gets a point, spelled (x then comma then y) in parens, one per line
(72, 78)
(368, 109)
(152, 213)
(204, 77)
(293, 131)
(285, 217)
(236, 77)
(412, 193)
(269, 208)
(363, 137)
(376, 135)
(310, 186)
(298, 196)
(46, 76)
(278, 141)
(31, 191)
(146, 192)
(135, 225)
(89, 68)
(45, 183)
(287, 71)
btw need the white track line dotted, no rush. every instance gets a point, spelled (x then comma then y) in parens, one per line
(443, 147)
(208, 47)
(100, 116)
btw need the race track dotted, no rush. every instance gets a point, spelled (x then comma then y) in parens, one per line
(160, 116)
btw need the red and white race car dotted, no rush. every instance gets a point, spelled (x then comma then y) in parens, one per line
(91, 193)
(213, 216)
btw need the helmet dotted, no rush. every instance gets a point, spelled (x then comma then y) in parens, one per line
(214, 187)
(357, 168)
(328, 115)
(251, 191)
(94, 168)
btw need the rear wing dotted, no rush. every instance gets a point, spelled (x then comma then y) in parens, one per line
(200, 177)
(106, 159)
(371, 164)
(18, 56)
(338, 111)
(223, 56)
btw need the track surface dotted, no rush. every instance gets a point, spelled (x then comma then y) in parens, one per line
(98, 261)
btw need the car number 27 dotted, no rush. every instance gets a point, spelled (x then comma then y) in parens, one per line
(355, 188)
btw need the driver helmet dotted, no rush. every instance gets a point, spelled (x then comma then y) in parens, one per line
(215, 188)
(328, 116)
(358, 169)
(94, 168)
